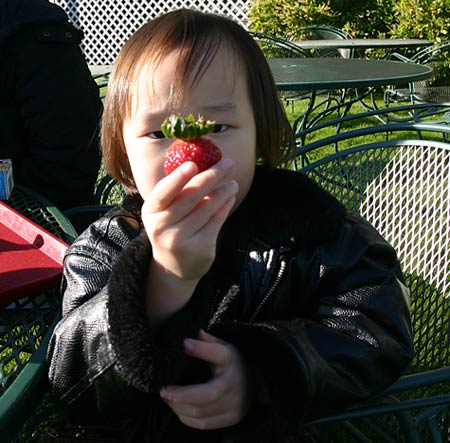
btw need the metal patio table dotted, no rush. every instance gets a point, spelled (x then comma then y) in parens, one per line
(325, 74)
(309, 74)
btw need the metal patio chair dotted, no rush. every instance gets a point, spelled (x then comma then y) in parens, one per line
(325, 32)
(403, 188)
(436, 89)
(277, 47)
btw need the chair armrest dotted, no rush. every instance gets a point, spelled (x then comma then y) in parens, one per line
(419, 380)
(401, 57)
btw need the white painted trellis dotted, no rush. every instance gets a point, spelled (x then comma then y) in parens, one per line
(107, 24)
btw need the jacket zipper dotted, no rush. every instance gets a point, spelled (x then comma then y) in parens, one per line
(271, 290)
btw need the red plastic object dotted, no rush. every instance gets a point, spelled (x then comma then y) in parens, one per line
(30, 257)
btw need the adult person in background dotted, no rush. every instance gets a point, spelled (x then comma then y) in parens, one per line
(49, 103)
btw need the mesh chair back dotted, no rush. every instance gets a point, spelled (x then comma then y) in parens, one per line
(323, 32)
(275, 47)
(403, 188)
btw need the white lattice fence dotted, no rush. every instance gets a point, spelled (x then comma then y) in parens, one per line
(107, 24)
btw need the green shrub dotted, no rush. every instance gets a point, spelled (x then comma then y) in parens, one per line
(365, 18)
(285, 17)
(421, 19)
(425, 19)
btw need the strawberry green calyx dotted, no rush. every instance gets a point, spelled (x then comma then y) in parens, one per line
(186, 128)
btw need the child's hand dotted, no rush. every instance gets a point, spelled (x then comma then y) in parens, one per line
(183, 216)
(221, 402)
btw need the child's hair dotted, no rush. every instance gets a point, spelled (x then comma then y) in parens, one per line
(200, 35)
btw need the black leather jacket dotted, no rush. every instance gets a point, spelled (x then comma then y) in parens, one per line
(311, 295)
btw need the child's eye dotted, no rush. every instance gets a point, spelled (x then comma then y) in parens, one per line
(156, 134)
(220, 128)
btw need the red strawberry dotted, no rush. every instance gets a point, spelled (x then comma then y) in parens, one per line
(190, 143)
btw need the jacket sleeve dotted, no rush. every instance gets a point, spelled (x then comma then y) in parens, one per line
(59, 109)
(346, 338)
(103, 356)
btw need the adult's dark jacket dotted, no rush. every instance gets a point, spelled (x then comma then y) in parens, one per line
(49, 103)
(311, 295)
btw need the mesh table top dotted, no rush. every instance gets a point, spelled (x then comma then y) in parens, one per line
(307, 74)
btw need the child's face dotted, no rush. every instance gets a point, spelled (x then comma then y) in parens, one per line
(221, 95)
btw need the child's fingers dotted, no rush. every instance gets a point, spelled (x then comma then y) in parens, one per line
(202, 192)
(204, 406)
(202, 411)
(212, 210)
(167, 189)
(221, 401)
(182, 200)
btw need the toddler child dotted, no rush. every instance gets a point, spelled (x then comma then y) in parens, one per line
(232, 304)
